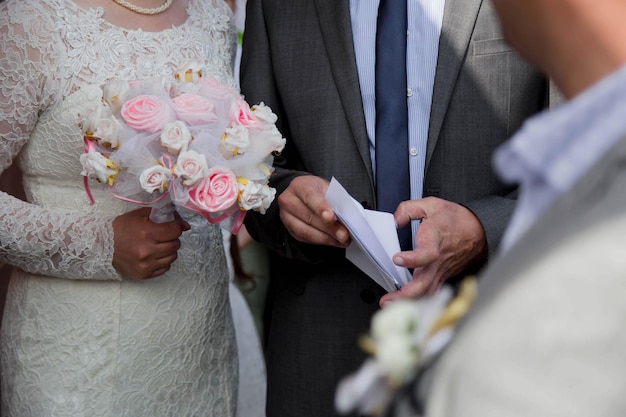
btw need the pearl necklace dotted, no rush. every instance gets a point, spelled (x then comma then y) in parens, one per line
(143, 10)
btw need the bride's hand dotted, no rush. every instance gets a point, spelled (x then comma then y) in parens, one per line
(143, 249)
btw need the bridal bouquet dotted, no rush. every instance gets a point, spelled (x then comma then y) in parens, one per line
(189, 142)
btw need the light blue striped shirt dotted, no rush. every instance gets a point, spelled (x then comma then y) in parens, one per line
(425, 18)
(556, 148)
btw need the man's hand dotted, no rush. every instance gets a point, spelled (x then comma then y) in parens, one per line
(143, 249)
(307, 215)
(449, 239)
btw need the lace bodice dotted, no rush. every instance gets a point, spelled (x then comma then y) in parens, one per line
(54, 55)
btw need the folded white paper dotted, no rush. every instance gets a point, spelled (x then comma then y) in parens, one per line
(374, 238)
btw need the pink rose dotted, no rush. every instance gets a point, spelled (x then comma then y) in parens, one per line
(194, 109)
(215, 193)
(240, 113)
(147, 113)
(215, 89)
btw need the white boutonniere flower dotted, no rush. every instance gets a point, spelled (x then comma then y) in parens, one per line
(403, 335)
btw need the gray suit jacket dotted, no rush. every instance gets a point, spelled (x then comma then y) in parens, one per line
(298, 58)
(546, 335)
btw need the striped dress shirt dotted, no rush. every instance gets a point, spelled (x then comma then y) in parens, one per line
(424, 28)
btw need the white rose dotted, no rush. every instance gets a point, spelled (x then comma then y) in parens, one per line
(115, 93)
(255, 196)
(155, 178)
(398, 318)
(235, 141)
(274, 138)
(191, 167)
(97, 166)
(264, 113)
(175, 137)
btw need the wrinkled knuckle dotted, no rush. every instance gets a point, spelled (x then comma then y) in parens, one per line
(415, 290)
(283, 199)
(142, 254)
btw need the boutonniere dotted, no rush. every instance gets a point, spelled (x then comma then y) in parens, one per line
(403, 336)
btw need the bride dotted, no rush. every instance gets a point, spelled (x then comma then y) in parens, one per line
(107, 313)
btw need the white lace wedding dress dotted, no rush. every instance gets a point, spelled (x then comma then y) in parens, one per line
(77, 338)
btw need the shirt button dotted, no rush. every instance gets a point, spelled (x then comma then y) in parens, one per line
(413, 151)
(409, 92)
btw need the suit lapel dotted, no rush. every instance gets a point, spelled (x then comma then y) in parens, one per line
(459, 18)
(458, 24)
(336, 28)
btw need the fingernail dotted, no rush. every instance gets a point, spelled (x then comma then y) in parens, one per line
(341, 235)
(398, 260)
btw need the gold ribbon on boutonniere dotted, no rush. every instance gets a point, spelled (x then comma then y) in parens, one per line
(458, 307)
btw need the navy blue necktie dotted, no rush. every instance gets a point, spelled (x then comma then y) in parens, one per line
(392, 155)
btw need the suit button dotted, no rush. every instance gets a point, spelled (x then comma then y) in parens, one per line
(368, 296)
(366, 205)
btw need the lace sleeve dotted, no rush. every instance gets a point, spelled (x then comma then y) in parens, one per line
(36, 239)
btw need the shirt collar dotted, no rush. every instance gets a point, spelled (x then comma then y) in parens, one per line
(580, 130)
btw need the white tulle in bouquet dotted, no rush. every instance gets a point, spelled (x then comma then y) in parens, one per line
(188, 142)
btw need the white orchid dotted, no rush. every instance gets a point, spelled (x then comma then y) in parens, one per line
(99, 167)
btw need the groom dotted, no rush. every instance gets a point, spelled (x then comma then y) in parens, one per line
(546, 334)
